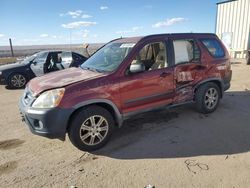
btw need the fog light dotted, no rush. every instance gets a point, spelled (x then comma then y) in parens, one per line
(38, 124)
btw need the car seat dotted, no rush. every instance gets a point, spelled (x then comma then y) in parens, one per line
(160, 60)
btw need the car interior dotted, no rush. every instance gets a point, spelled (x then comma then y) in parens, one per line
(53, 62)
(186, 51)
(153, 56)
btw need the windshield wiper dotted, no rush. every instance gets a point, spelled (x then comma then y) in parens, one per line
(91, 69)
(84, 68)
(95, 70)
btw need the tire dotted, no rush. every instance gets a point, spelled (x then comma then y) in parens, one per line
(84, 131)
(17, 80)
(207, 98)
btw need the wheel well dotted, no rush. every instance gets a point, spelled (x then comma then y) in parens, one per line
(103, 105)
(217, 82)
(12, 73)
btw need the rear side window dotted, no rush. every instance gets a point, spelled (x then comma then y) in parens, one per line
(66, 56)
(214, 47)
(186, 51)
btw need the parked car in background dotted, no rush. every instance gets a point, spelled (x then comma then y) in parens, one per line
(18, 74)
(126, 77)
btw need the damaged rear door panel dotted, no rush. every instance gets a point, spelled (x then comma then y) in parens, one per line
(188, 67)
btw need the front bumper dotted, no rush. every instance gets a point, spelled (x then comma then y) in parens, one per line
(50, 123)
(2, 80)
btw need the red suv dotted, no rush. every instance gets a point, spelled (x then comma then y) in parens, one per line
(125, 77)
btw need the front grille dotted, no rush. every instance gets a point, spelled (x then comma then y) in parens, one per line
(28, 96)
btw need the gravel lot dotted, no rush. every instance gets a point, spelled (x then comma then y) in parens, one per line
(171, 148)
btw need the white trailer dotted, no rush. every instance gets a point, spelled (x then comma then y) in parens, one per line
(233, 26)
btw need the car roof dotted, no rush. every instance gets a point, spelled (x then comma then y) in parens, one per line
(137, 39)
(43, 51)
(128, 39)
(49, 51)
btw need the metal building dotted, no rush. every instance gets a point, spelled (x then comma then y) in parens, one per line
(233, 26)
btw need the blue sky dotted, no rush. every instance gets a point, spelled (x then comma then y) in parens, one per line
(30, 22)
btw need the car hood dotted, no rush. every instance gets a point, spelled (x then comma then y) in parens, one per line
(60, 79)
(11, 66)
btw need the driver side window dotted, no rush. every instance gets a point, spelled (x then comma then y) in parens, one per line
(153, 56)
(41, 58)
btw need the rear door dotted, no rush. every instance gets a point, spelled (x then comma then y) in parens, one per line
(187, 67)
(154, 86)
(66, 59)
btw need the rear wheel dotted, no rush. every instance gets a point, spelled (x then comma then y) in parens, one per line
(17, 80)
(207, 98)
(91, 128)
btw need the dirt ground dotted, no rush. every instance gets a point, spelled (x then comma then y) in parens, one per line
(171, 148)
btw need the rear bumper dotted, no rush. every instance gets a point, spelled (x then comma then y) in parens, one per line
(227, 86)
(227, 80)
(50, 123)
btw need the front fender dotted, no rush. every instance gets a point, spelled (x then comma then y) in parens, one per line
(118, 116)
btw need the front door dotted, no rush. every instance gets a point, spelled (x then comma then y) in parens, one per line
(152, 87)
(37, 65)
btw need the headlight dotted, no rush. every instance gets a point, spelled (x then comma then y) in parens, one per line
(49, 99)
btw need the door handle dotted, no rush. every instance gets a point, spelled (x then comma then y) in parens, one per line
(165, 74)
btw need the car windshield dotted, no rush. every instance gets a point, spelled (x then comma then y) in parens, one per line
(30, 58)
(108, 58)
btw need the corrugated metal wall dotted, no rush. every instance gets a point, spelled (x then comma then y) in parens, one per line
(233, 26)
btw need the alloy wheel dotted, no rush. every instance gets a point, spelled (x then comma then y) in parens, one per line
(94, 130)
(18, 80)
(211, 98)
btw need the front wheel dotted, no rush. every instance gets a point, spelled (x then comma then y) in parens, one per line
(207, 98)
(91, 128)
(17, 80)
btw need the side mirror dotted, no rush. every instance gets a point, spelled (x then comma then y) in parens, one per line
(137, 67)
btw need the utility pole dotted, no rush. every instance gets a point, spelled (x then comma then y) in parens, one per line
(70, 39)
(11, 48)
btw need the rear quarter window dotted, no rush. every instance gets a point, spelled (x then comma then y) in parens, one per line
(78, 58)
(214, 47)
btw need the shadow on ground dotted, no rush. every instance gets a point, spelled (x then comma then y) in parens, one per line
(9, 88)
(182, 132)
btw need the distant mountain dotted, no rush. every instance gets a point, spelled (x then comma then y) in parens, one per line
(29, 50)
